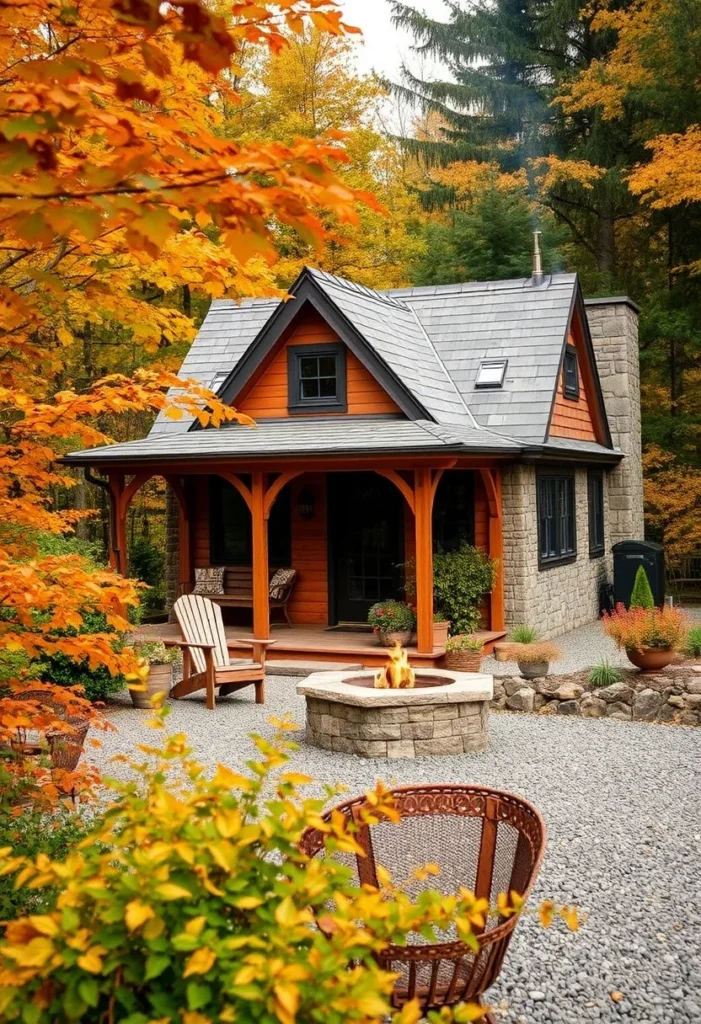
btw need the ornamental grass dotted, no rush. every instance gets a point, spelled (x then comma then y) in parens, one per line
(635, 628)
(533, 653)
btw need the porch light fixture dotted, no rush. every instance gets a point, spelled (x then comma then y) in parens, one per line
(305, 504)
(491, 373)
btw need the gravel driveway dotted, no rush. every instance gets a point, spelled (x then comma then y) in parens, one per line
(622, 802)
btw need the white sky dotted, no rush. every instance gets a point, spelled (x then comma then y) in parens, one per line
(383, 47)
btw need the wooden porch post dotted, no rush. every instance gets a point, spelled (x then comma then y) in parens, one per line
(423, 525)
(492, 479)
(118, 524)
(259, 535)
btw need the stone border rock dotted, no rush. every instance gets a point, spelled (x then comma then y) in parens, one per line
(672, 696)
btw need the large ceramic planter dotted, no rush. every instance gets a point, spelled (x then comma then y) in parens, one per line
(402, 637)
(158, 681)
(440, 633)
(533, 669)
(650, 659)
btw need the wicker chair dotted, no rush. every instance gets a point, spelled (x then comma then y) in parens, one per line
(65, 748)
(485, 840)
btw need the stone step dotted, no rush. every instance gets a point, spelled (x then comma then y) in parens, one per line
(305, 668)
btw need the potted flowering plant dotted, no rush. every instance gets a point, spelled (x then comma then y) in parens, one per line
(156, 677)
(649, 636)
(392, 621)
(463, 653)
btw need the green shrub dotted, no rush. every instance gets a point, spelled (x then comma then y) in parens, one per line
(391, 617)
(147, 563)
(461, 579)
(604, 674)
(61, 670)
(524, 635)
(642, 591)
(693, 642)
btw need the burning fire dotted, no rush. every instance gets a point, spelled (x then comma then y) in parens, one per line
(397, 673)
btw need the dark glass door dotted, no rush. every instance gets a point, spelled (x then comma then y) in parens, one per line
(366, 528)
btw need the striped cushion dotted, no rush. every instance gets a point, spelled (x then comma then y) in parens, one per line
(209, 580)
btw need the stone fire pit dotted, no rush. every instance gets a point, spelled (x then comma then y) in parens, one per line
(444, 713)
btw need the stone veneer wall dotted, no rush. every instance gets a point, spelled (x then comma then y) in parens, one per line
(421, 730)
(561, 597)
(172, 567)
(614, 330)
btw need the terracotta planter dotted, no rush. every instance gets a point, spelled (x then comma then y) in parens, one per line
(159, 680)
(533, 669)
(650, 659)
(402, 637)
(500, 652)
(440, 633)
(463, 661)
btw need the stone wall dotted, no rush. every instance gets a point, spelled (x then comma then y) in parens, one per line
(172, 568)
(614, 329)
(672, 696)
(561, 597)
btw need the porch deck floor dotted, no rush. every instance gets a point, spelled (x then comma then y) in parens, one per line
(316, 643)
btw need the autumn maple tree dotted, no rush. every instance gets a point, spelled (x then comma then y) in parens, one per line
(115, 174)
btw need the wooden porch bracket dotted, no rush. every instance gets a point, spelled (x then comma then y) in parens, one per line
(400, 483)
(276, 486)
(240, 486)
(492, 480)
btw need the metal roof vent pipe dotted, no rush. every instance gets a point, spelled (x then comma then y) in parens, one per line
(537, 276)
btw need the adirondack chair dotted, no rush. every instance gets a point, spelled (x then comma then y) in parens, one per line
(207, 664)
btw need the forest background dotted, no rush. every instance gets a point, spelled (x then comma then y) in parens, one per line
(582, 120)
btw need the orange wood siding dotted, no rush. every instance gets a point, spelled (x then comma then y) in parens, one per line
(309, 603)
(571, 416)
(267, 397)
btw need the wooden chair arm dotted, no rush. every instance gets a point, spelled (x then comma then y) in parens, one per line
(259, 648)
(188, 643)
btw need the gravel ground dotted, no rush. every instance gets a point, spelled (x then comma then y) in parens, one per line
(621, 801)
(581, 649)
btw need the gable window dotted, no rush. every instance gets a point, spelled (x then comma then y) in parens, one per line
(316, 378)
(595, 493)
(571, 373)
(230, 526)
(491, 373)
(557, 530)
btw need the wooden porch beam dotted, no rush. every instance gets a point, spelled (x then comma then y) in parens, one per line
(492, 480)
(118, 535)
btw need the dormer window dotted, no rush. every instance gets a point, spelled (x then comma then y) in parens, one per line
(316, 378)
(491, 373)
(571, 373)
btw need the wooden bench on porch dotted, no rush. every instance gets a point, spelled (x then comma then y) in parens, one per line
(238, 590)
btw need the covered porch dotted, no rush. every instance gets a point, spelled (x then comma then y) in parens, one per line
(349, 528)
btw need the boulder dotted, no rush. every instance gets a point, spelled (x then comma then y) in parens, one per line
(592, 707)
(667, 713)
(546, 686)
(538, 701)
(512, 684)
(498, 688)
(693, 686)
(521, 700)
(568, 707)
(617, 693)
(549, 709)
(693, 701)
(569, 691)
(619, 710)
(688, 718)
(676, 700)
(646, 705)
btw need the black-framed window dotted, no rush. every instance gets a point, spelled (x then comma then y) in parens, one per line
(571, 373)
(595, 494)
(316, 378)
(557, 526)
(230, 527)
(454, 510)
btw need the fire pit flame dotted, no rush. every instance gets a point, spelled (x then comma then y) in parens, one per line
(397, 673)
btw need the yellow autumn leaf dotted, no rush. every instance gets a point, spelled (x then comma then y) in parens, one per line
(230, 780)
(546, 913)
(195, 926)
(286, 913)
(92, 960)
(372, 1005)
(33, 954)
(288, 997)
(171, 891)
(409, 1014)
(296, 778)
(200, 962)
(228, 823)
(571, 918)
(248, 902)
(137, 913)
(44, 925)
(193, 1017)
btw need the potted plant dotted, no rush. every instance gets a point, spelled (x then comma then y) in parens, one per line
(519, 635)
(441, 627)
(463, 653)
(461, 581)
(392, 621)
(533, 657)
(649, 636)
(157, 663)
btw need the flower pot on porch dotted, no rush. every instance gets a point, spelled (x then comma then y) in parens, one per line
(158, 681)
(440, 633)
(463, 661)
(401, 637)
(650, 659)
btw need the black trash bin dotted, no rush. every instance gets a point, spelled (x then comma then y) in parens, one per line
(627, 556)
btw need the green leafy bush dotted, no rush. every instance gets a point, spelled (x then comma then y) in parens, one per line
(147, 563)
(604, 674)
(693, 642)
(641, 596)
(61, 670)
(155, 652)
(461, 579)
(391, 617)
(524, 635)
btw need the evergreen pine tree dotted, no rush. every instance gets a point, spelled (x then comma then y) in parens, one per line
(641, 596)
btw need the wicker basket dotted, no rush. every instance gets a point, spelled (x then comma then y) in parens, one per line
(463, 661)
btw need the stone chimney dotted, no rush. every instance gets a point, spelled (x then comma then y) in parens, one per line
(614, 330)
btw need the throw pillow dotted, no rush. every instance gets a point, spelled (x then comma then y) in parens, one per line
(209, 580)
(280, 582)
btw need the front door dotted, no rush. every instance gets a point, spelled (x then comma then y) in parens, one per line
(366, 529)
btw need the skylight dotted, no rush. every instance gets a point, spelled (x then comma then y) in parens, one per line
(218, 380)
(491, 373)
